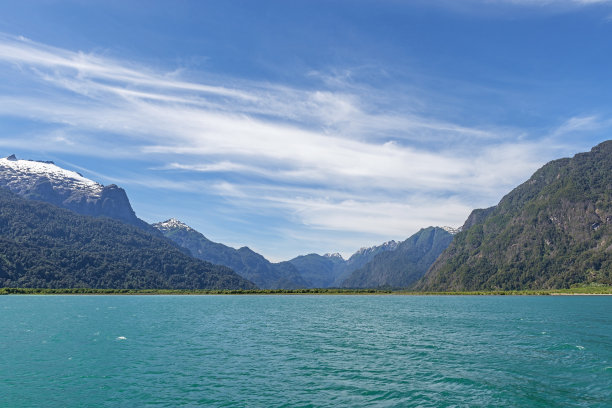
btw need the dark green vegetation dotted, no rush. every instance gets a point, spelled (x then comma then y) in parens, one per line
(403, 266)
(577, 290)
(90, 291)
(553, 231)
(43, 246)
(247, 263)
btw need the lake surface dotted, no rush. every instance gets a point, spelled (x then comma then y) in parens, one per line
(305, 351)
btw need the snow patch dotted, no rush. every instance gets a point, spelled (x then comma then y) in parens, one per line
(172, 224)
(387, 246)
(21, 175)
(335, 255)
(451, 230)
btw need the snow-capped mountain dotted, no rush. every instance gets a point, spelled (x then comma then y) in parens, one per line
(171, 225)
(335, 255)
(45, 181)
(367, 251)
(451, 230)
(21, 176)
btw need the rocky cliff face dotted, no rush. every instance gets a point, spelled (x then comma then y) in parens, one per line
(45, 181)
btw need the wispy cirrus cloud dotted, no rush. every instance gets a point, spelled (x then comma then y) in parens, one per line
(544, 3)
(504, 8)
(324, 158)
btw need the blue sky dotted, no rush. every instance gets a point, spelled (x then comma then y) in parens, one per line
(305, 126)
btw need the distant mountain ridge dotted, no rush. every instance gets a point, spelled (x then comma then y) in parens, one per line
(319, 271)
(552, 231)
(404, 265)
(244, 261)
(304, 271)
(330, 270)
(45, 181)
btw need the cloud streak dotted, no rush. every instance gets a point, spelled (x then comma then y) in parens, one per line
(545, 3)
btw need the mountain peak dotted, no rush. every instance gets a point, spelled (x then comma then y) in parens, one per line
(385, 246)
(335, 255)
(46, 181)
(172, 224)
(19, 174)
(451, 230)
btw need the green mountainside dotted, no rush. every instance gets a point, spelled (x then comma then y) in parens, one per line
(553, 231)
(403, 266)
(44, 246)
(244, 261)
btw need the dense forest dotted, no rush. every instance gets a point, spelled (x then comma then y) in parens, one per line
(45, 246)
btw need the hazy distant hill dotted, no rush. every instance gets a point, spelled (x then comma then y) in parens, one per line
(45, 246)
(403, 266)
(550, 232)
(319, 271)
(244, 261)
(330, 270)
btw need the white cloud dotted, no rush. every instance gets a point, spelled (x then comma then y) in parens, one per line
(579, 124)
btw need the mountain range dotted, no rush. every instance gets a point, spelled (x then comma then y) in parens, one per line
(244, 261)
(305, 271)
(390, 264)
(60, 229)
(403, 266)
(44, 181)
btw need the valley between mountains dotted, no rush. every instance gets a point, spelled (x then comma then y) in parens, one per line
(59, 229)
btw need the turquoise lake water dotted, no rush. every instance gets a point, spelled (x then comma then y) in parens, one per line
(305, 351)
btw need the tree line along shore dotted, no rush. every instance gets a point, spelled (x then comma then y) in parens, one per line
(576, 290)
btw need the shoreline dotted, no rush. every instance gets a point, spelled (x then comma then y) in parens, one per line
(582, 291)
(580, 294)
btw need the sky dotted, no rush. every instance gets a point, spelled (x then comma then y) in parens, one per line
(304, 126)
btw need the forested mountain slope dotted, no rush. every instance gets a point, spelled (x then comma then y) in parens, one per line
(552, 231)
(45, 246)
